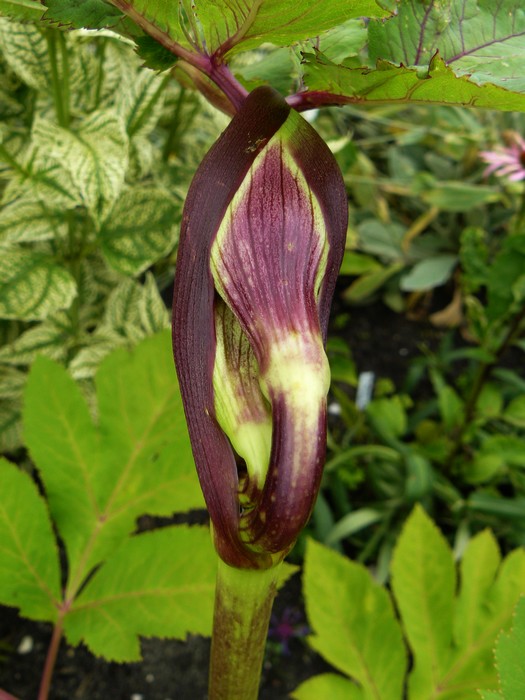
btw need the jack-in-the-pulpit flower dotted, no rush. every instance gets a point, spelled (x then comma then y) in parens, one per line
(261, 243)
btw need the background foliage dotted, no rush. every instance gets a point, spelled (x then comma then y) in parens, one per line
(101, 130)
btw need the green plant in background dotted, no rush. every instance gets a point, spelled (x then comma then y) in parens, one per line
(258, 443)
(462, 445)
(91, 190)
(450, 630)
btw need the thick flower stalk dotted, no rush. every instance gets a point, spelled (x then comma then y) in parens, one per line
(261, 243)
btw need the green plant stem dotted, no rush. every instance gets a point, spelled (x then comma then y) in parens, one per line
(52, 652)
(243, 603)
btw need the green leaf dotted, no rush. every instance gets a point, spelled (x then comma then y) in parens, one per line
(512, 509)
(140, 230)
(509, 657)
(137, 460)
(459, 196)
(479, 566)
(29, 566)
(515, 412)
(328, 685)
(166, 16)
(423, 582)
(32, 286)
(474, 259)
(477, 38)
(385, 240)
(21, 9)
(429, 273)
(483, 467)
(368, 284)
(388, 416)
(358, 264)
(159, 584)
(63, 443)
(450, 404)
(510, 448)
(398, 84)
(353, 522)
(154, 55)
(95, 156)
(452, 638)
(505, 272)
(92, 14)
(353, 622)
(230, 26)
(471, 666)
(343, 41)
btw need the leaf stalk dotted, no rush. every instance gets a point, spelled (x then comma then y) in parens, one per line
(52, 653)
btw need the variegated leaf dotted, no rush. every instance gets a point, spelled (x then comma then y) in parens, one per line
(121, 317)
(12, 382)
(32, 286)
(10, 425)
(133, 312)
(50, 338)
(85, 364)
(140, 102)
(101, 67)
(26, 219)
(38, 179)
(95, 155)
(25, 50)
(122, 306)
(153, 313)
(140, 230)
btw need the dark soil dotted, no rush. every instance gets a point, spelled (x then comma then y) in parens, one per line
(170, 670)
